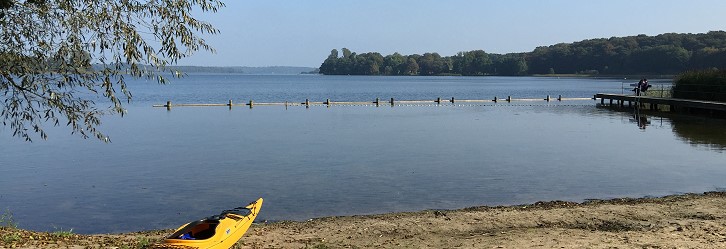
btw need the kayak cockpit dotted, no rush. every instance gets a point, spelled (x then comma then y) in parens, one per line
(198, 230)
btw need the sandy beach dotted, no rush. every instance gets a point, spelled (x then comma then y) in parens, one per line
(679, 221)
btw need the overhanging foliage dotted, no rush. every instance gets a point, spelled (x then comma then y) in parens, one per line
(48, 48)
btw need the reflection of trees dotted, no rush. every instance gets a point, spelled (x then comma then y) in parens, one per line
(695, 130)
(700, 132)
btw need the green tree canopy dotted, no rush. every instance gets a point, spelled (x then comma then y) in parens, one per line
(394, 64)
(59, 58)
(330, 64)
(432, 64)
(412, 67)
(475, 62)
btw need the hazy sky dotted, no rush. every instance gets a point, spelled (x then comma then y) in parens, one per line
(302, 33)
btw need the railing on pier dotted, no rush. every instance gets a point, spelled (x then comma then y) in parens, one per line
(653, 102)
(687, 91)
(662, 91)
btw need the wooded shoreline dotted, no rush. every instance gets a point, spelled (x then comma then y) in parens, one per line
(664, 54)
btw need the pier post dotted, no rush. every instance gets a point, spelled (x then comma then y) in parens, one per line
(611, 102)
(495, 99)
(438, 100)
(307, 103)
(559, 98)
(391, 101)
(548, 98)
(621, 103)
(168, 105)
(327, 102)
(602, 101)
(509, 98)
(377, 101)
(452, 100)
(252, 103)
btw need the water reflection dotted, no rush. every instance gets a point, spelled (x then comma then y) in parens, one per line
(699, 131)
(640, 119)
(348, 160)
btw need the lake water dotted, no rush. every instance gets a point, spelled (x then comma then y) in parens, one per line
(164, 168)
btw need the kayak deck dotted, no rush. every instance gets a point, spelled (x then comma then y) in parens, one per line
(215, 232)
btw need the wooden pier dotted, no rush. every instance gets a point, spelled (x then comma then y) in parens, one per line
(653, 102)
(376, 102)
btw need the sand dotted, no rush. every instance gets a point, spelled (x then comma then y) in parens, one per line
(680, 221)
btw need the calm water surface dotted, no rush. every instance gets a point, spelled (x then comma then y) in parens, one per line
(164, 168)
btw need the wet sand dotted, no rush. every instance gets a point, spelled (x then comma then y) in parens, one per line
(679, 221)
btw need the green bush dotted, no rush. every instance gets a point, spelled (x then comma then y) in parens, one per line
(6, 220)
(702, 85)
(10, 238)
(62, 233)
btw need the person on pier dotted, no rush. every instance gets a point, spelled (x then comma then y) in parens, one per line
(638, 87)
(644, 86)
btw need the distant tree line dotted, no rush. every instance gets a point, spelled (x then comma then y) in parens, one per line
(465, 63)
(662, 54)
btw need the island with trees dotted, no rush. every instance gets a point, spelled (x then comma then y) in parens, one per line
(664, 54)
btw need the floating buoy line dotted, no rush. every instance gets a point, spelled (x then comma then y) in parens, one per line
(393, 102)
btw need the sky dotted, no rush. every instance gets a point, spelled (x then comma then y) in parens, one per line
(303, 32)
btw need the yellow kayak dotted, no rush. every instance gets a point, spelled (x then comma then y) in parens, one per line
(216, 232)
